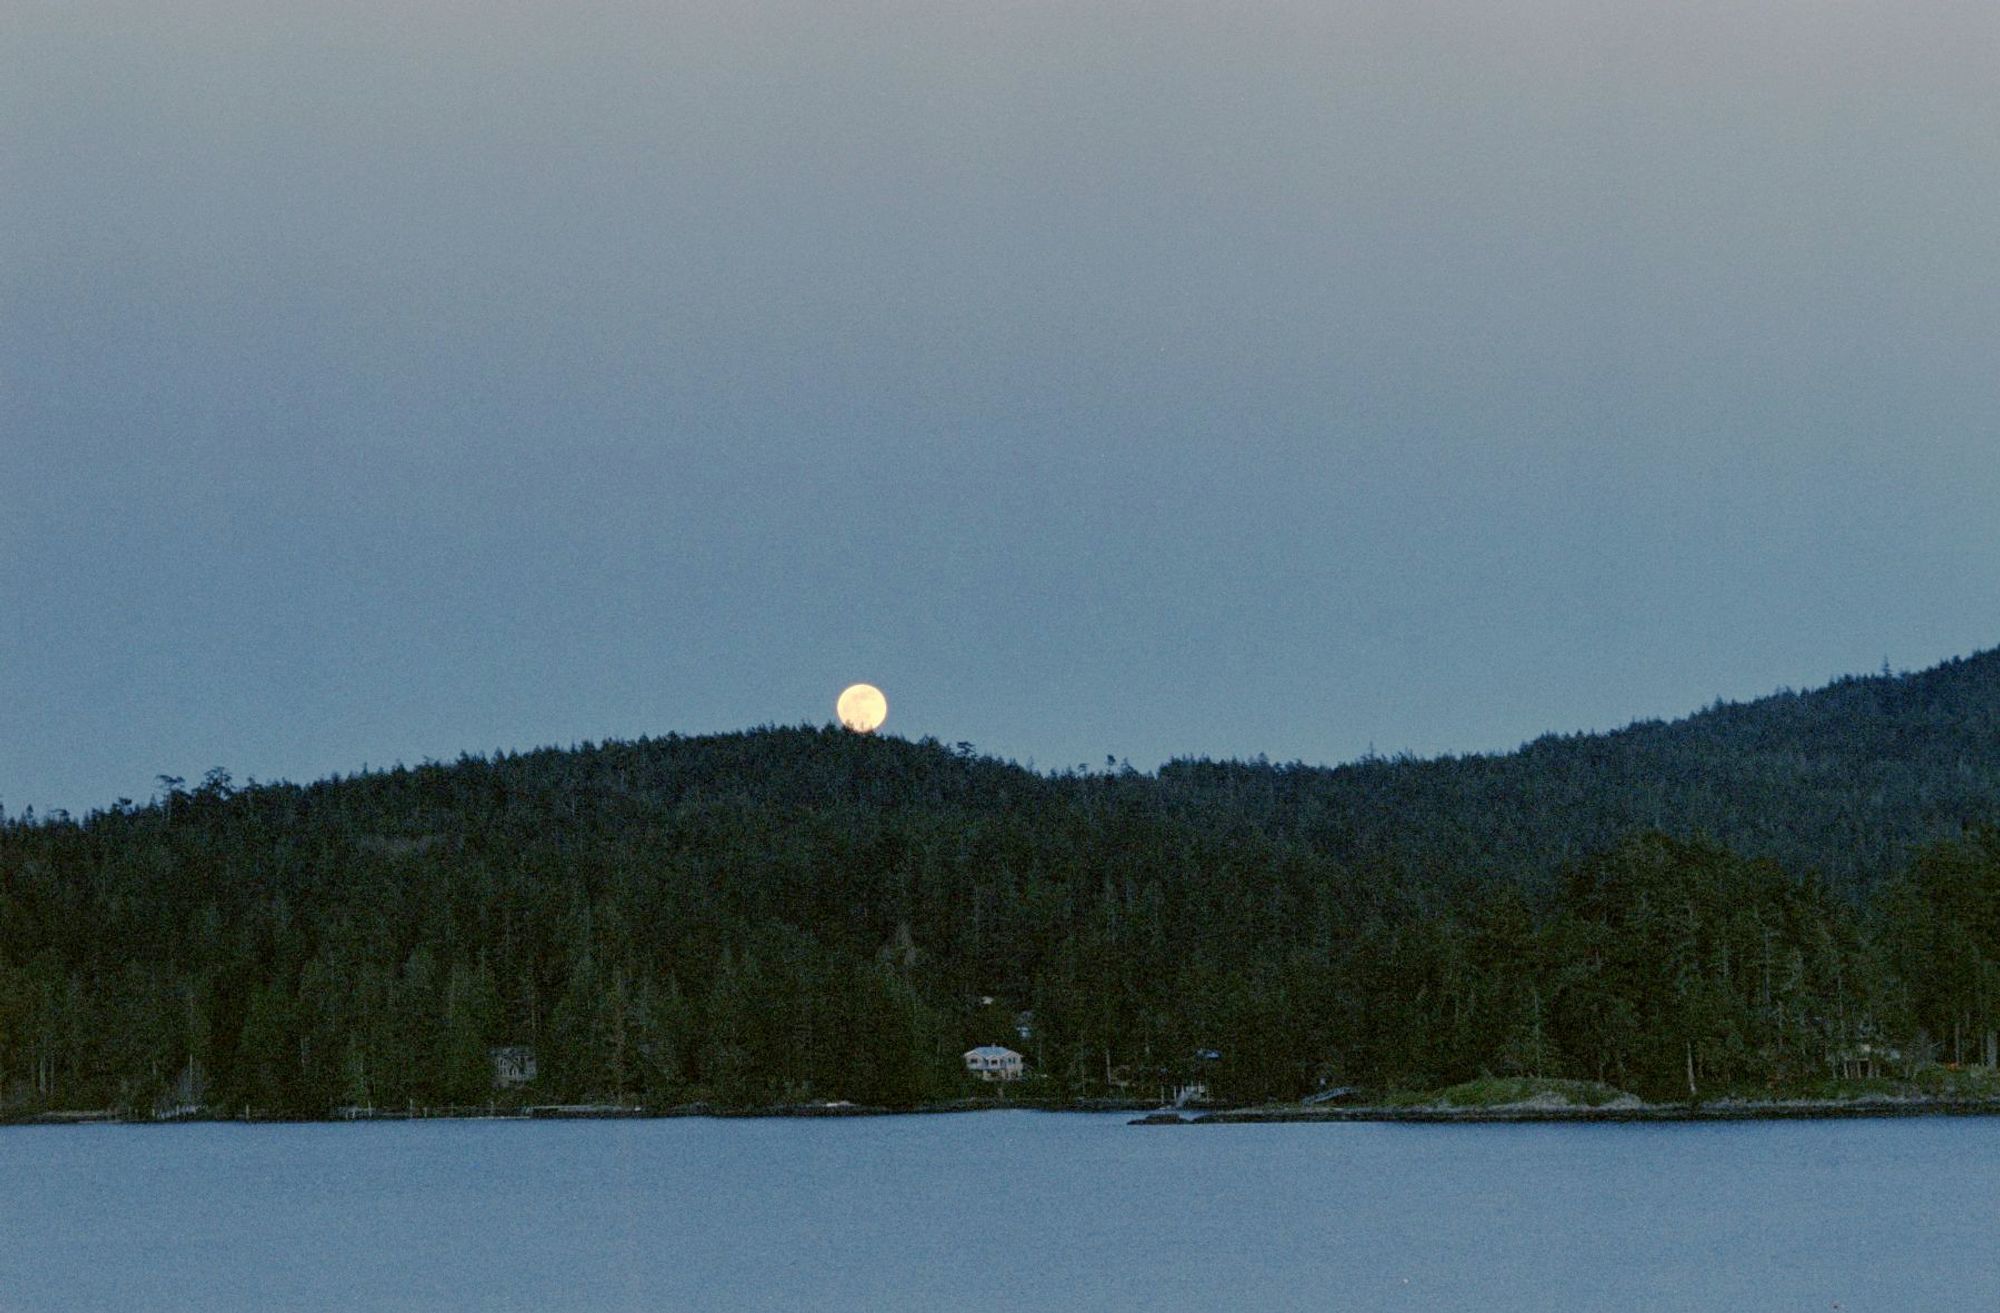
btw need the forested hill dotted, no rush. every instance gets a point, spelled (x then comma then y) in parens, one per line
(1844, 780)
(790, 914)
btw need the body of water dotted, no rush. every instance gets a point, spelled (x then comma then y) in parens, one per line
(1030, 1210)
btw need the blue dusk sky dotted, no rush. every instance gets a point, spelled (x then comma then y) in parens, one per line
(381, 381)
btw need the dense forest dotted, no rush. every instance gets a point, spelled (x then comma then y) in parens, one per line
(1764, 896)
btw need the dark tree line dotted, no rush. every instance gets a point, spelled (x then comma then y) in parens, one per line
(798, 914)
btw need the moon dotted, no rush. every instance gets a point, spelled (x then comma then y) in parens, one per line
(862, 708)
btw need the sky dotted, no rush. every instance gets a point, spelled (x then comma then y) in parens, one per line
(385, 381)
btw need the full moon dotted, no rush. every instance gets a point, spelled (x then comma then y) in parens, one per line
(862, 708)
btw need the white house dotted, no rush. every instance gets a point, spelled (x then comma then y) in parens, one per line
(991, 1062)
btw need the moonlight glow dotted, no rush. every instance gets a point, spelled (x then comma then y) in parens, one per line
(862, 708)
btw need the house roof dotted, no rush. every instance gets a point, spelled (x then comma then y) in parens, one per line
(991, 1051)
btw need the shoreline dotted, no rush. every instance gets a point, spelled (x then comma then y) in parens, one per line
(1151, 1114)
(560, 1112)
(1719, 1111)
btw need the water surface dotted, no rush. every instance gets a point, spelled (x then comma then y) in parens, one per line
(1041, 1211)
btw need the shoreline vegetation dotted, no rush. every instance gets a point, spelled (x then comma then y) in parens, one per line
(1535, 1100)
(1150, 1114)
(1486, 1100)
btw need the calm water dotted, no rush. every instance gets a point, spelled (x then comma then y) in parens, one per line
(1040, 1211)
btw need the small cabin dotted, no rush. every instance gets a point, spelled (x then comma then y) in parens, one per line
(991, 1062)
(513, 1066)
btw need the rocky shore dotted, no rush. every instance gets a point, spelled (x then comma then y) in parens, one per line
(1721, 1110)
